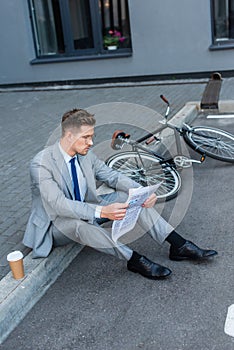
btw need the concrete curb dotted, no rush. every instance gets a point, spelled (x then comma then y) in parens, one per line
(104, 85)
(17, 297)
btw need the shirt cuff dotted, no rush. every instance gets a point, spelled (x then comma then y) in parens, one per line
(98, 211)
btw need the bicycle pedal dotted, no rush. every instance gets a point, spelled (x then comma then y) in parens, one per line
(183, 162)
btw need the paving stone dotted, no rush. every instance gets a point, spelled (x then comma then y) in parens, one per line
(6, 221)
(3, 239)
(15, 238)
(6, 248)
(11, 230)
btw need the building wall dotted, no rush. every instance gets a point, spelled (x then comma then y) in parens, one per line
(168, 37)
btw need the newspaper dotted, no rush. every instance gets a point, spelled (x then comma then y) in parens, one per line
(137, 196)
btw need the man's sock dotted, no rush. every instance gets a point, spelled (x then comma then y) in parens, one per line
(175, 239)
(135, 257)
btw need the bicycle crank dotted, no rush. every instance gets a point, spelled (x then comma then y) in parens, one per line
(185, 162)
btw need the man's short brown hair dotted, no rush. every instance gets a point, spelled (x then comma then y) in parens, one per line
(75, 118)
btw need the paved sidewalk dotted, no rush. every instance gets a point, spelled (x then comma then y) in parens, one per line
(29, 117)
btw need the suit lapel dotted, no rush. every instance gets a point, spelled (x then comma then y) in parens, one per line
(65, 179)
(63, 170)
(88, 173)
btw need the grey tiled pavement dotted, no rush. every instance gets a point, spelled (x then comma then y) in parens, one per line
(29, 116)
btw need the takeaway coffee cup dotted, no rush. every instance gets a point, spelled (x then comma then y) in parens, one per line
(15, 260)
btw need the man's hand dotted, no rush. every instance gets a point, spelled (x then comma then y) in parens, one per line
(115, 211)
(150, 202)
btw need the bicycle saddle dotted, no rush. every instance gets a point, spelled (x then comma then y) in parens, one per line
(117, 139)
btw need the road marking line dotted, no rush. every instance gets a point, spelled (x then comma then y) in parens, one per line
(220, 116)
(229, 323)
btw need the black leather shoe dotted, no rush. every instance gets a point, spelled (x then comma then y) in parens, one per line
(148, 268)
(189, 251)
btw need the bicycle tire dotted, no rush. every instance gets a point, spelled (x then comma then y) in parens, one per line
(215, 143)
(153, 173)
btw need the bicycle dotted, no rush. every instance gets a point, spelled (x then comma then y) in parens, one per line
(147, 167)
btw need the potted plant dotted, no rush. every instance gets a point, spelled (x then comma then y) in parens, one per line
(112, 39)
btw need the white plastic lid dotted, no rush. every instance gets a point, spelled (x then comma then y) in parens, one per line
(14, 256)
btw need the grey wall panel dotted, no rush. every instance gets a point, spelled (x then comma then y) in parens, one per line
(168, 37)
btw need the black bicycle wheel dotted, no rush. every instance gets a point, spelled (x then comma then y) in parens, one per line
(147, 170)
(215, 143)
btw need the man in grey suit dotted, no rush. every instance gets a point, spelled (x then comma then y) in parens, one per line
(66, 207)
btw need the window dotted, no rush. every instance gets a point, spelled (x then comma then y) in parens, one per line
(66, 28)
(223, 22)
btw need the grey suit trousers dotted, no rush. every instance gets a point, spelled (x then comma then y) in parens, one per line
(95, 236)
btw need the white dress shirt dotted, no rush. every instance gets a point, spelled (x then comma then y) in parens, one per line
(81, 179)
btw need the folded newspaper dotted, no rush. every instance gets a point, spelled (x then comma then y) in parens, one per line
(137, 196)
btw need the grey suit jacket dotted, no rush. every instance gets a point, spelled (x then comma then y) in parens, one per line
(53, 196)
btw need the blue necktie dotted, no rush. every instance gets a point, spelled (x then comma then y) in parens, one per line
(75, 179)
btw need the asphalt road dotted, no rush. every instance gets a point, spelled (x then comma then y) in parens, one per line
(97, 304)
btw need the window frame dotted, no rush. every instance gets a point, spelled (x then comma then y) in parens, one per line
(218, 45)
(72, 54)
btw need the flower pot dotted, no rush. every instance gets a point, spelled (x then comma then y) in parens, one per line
(112, 47)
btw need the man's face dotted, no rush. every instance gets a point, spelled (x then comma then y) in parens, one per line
(82, 140)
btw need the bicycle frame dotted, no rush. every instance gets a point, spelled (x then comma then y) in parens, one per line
(136, 147)
(144, 165)
(150, 137)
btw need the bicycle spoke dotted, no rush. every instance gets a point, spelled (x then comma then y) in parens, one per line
(217, 145)
(147, 170)
(213, 142)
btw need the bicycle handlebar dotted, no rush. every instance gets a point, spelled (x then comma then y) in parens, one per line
(120, 137)
(168, 106)
(164, 99)
(150, 140)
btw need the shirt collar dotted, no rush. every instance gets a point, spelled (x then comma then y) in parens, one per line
(66, 156)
